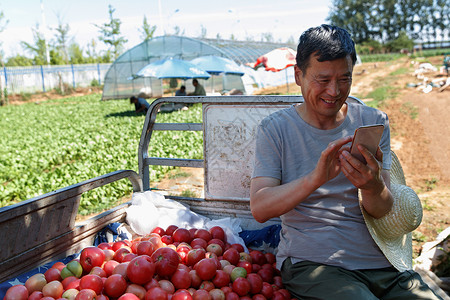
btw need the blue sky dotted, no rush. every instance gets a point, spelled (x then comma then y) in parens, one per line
(243, 18)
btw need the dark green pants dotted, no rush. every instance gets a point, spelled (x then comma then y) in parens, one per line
(308, 280)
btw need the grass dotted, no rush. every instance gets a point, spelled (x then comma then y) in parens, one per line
(409, 109)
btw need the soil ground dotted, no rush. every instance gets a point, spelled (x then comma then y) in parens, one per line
(419, 122)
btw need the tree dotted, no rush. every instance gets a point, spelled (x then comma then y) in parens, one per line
(76, 54)
(3, 24)
(39, 49)
(19, 60)
(147, 31)
(110, 34)
(402, 41)
(62, 40)
(203, 31)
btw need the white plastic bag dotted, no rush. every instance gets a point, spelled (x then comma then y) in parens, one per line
(232, 227)
(150, 209)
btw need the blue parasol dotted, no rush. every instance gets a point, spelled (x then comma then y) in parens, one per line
(172, 68)
(216, 65)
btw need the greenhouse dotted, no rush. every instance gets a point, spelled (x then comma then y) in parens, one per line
(120, 81)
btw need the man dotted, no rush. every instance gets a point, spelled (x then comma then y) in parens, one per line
(140, 104)
(304, 174)
(181, 91)
(199, 89)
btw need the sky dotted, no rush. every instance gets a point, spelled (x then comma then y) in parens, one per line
(242, 18)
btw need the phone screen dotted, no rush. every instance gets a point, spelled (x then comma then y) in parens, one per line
(368, 136)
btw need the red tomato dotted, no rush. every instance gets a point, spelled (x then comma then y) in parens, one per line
(195, 279)
(258, 257)
(109, 267)
(218, 233)
(201, 295)
(215, 248)
(278, 281)
(159, 231)
(156, 293)
(167, 286)
(238, 247)
(74, 284)
(232, 255)
(182, 295)
(232, 296)
(115, 285)
(226, 289)
(86, 294)
(91, 257)
(206, 268)
(17, 292)
(120, 253)
(198, 242)
(194, 256)
(166, 261)
(36, 295)
(270, 257)
(258, 297)
(128, 296)
(58, 265)
(285, 293)
(121, 269)
(181, 279)
(98, 271)
(182, 235)
(137, 290)
(241, 286)
(217, 294)
(141, 269)
(256, 283)
(93, 282)
(246, 265)
(206, 285)
(52, 274)
(266, 274)
(217, 241)
(267, 290)
(221, 279)
(183, 252)
(119, 244)
(129, 257)
(170, 229)
(203, 234)
(167, 239)
(104, 246)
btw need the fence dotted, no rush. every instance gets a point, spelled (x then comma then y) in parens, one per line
(17, 80)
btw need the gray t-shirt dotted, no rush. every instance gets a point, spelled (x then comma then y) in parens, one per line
(328, 227)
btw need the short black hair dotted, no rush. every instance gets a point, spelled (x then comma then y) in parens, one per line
(194, 80)
(326, 42)
(182, 87)
(132, 99)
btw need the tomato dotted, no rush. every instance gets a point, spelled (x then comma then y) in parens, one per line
(201, 295)
(286, 293)
(36, 295)
(141, 269)
(238, 247)
(278, 281)
(232, 255)
(167, 239)
(58, 265)
(151, 283)
(73, 284)
(221, 279)
(258, 297)
(121, 269)
(270, 257)
(246, 265)
(229, 268)
(238, 272)
(182, 295)
(129, 257)
(182, 235)
(206, 285)
(217, 232)
(170, 229)
(181, 279)
(217, 241)
(258, 257)
(166, 261)
(266, 274)
(109, 254)
(91, 257)
(35, 283)
(194, 256)
(244, 256)
(52, 274)
(93, 282)
(53, 289)
(102, 297)
(17, 292)
(156, 293)
(156, 241)
(115, 285)
(159, 231)
(183, 251)
(217, 294)
(167, 286)
(267, 290)
(241, 286)
(119, 244)
(195, 279)
(206, 268)
(215, 248)
(255, 268)
(203, 234)
(226, 289)
(120, 253)
(256, 283)
(137, 290)
(69, 294)
(109, 267)
(199, 243)
(104, 246)
(232, 296)
(98, 271)
(145, 248)
(86, 294)
(128, 296)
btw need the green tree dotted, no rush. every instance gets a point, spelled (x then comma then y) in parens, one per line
(19, 60)
(38, 49)
(76, 54)
(402, 41)
(147, 30)
(62, 39)
(111, 36)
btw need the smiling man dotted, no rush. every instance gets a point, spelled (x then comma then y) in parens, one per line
(304, 174)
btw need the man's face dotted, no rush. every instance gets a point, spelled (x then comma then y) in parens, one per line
(325, 85)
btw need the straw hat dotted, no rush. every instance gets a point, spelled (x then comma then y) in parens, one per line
(392, 232)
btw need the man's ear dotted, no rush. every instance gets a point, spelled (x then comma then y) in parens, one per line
(298, 74)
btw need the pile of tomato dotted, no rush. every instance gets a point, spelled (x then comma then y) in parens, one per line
(173, 263)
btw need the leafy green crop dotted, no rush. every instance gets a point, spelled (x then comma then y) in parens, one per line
(57, 143)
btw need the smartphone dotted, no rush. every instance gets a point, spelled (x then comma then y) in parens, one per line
(368, 136)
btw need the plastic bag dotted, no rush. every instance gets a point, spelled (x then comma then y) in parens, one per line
(150, 209)
(232, 227)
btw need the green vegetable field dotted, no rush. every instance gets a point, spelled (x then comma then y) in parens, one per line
(52, 144)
